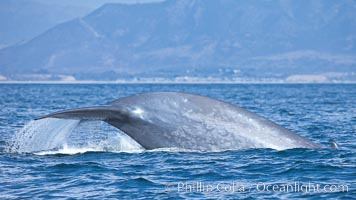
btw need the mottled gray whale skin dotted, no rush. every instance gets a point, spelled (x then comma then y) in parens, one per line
(188, 121)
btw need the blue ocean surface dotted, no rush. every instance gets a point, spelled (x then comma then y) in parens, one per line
(65, 159)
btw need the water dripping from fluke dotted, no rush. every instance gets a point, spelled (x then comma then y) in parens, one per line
(63, 136)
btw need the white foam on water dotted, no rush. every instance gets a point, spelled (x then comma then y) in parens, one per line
(67, 150)
(62, 136)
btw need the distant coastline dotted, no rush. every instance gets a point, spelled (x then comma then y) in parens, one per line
(171, 82)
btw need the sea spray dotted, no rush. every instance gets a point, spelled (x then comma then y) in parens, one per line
(44, 134)
(63, 136)
(100, 136)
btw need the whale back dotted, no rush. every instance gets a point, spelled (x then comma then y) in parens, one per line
(188, 121)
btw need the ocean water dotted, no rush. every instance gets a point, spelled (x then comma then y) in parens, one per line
(66, 159)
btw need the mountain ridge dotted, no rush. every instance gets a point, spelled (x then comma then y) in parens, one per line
(195, 38)
(21, 20)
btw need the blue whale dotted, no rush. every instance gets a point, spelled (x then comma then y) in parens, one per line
(188, 121)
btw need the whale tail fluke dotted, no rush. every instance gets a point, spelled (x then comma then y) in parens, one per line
(103, 113)
(188, 121)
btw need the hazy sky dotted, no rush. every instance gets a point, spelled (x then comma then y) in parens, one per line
(92, 3)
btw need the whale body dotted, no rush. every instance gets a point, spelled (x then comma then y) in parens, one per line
(188, 121)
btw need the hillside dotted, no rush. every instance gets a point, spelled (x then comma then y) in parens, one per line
(195, 38)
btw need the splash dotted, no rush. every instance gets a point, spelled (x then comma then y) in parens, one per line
(67, 150)
(63, 136)
(42, 135)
